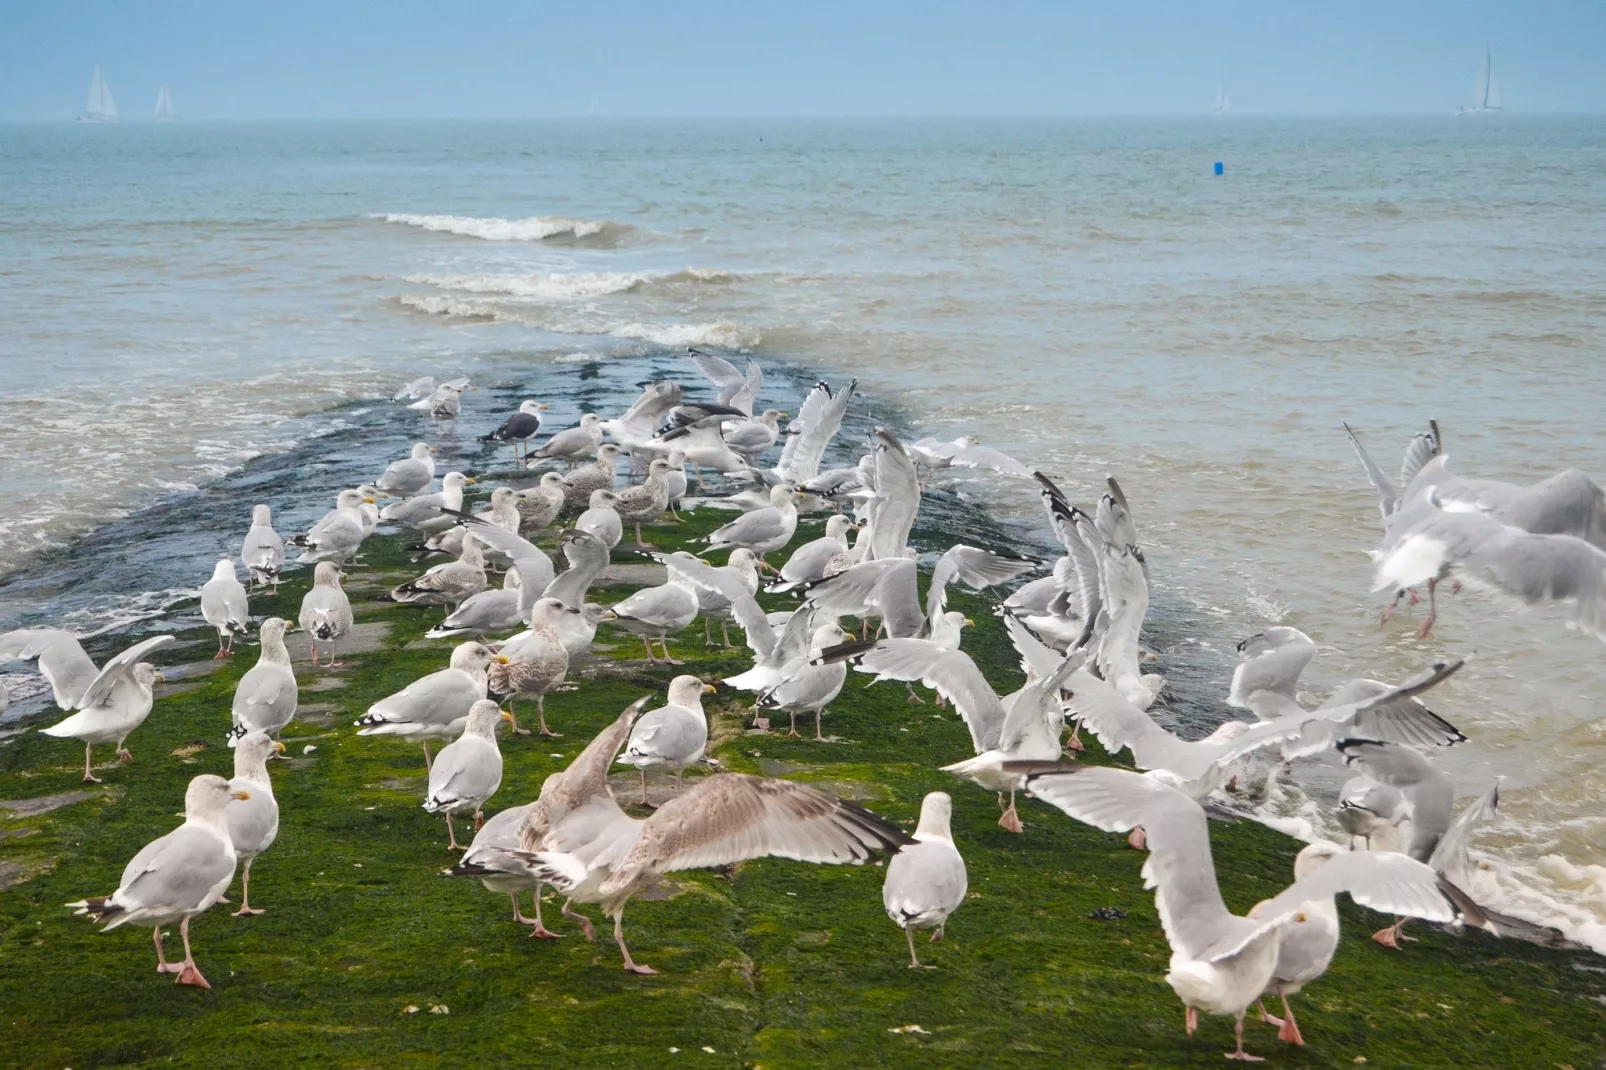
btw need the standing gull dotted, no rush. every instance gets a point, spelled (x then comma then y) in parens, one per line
(762, 530)
(926, 879)
(339, 533)
(326, 613)
(809, 562)
(223, 605)
(520, 427)
(806, 686)
(431, 513)
(263, 551)
(448, 584)
(540, 505)
(265, 697)
(435, 706)
(645, 502)
(571, 445)
(409, 476)
(602, 518)
(654, 612)
(177, 876)
(598, 475)
(672, 736)
(468, 770)
(253, 821)
(534, 662)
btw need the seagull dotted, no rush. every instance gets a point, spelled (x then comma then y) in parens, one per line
(176, 876)
(926, 880)
(503, 513)
(809, 562)
(891, 510)
(486, 859)
(965, 451)
(1220, 962)
(223, 605)
(889, 588)
(520, 427)
(435, 706)
(762, 530)
(448, 584)
(445, 403)
(712, 601)
(468, 770)
(639, 424)
(1430, 795)
(735, 388)
(263, 552)
(598, 475)
(326, 614)
(750, 438)
(1366, 807)
(579, 841)
(602, 518)
(253, 821)
(570, 445)
(1478, 550)
(646, 501)
(410, 476)
(654, 612)
(540, 505)
(806, 686)
(430, 513)
(111, 701)
(534, 662)
(265, 697)
(422, 387)
(701, 442)
(338, 535)
(672, 736)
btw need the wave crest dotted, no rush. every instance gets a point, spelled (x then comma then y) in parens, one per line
(554, 229)
(721, 335)
(581, 284)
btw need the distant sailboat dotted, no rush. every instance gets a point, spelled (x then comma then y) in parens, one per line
(1223, 102)
(100, 108)
(1485, 90)
(164, 107)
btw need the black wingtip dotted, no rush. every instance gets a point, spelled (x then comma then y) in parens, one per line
(847, 651)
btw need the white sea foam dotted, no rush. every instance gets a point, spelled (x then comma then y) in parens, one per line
(558, 286)
(719, 335)
(534, 228)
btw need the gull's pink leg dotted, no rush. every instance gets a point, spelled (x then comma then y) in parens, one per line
(1190, 1021)
(664, 642)
(584, 922)
(794, 731)
(540, 931)
(1267, 1018)
(162, 965)
(1433, 610)
(1392, 936)
(188, 973)
(619, 938)
(1290, 1029)
(1388, 611)
(426, 756)
(451, 834)
(540, 712)
(89, 777)
(1138, 840)
(914, 960)
(1075, 741)
(1010, 822)
(818, 738)
(516, 729)
(245, 894)
(651, 657)
(1238, 1054)
(479, 820)
(644, 801)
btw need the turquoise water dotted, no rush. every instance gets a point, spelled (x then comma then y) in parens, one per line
(1082, 293)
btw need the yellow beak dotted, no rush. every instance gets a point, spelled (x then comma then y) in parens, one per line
(432, 449)
(278, 746)
(470, 479)
(161, 679)
(506, 716)
(500, 659)
(369, 501)
(242, 794)
(969, 623)
(540, 406)
(709, 689)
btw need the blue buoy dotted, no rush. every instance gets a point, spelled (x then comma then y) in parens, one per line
(1220, 170)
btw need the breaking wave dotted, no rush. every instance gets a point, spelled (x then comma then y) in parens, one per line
(555, 229)
(719, 335)
(577, 285)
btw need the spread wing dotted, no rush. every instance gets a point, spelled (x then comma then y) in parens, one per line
(61, 660)
(119, 667)
(808, 433)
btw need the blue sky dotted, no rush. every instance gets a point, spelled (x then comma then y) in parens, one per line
(470, 59)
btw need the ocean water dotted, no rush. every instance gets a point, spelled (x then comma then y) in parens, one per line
(1084, 294)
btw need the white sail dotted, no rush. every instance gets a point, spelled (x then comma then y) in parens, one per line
(100, 107)
(1223, 104)
(1485, 90)
(164, 106)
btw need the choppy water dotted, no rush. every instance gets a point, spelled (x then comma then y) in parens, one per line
(1085, 294)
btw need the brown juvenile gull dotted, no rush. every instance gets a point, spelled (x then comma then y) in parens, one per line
(646, 501)
(598, 475)
(176, 876)
(535, 662)
(540, 505)
(448, 584)
(581, 842)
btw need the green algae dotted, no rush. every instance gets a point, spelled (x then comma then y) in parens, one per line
(772, 964)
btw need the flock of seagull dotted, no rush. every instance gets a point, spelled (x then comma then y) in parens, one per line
(1077, 631)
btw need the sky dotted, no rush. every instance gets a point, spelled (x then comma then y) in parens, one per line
(492, 59)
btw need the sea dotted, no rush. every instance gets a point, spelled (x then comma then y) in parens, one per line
(185, 305)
